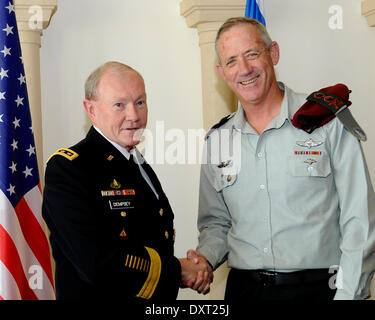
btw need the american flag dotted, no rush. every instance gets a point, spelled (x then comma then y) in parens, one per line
(25, 263)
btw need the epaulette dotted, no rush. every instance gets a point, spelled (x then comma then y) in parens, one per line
(219, 124)
(322, 106)
(66, 153)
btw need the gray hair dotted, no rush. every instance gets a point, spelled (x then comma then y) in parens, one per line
(231, 22)
(92, 82)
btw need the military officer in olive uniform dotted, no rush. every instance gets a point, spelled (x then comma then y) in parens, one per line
(288, 206)
(111, 224)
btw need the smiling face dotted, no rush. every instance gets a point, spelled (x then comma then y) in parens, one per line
(120, 109)
(246, 65)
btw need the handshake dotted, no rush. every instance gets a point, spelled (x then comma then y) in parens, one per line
(196, 272)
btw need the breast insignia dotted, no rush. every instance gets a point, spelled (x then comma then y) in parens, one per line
(309, 161)
(115, 184)
(309, 143)
(123, 234)
(224, 164)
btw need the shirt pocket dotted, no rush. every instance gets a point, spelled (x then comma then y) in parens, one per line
(309, 166)
(222, 179)
(309, 185)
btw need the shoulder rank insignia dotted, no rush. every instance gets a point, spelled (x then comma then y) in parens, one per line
(222, 121)
(66, 153)
(219, 124)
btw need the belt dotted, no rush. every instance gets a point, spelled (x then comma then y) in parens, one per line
(273, 278)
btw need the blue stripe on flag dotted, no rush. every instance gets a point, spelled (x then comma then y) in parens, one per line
(253, 10)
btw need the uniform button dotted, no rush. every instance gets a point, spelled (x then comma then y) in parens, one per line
(229, 178)
(161, 212)
(123, 214)
(260, 155)
(166, 235)
(265, 250)
(262, 187)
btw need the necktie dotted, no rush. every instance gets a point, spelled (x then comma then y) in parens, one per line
(149, 172)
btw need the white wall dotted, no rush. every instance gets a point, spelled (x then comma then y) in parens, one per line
(152, 37)
(314, 56)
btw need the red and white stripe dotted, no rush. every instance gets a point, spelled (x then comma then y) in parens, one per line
(24, 250)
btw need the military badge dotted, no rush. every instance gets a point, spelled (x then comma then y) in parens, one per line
(224, 164)
(126, 192)
(315, 153)
(115, 184)
(309, 143)
(309, 161)
(123, 234)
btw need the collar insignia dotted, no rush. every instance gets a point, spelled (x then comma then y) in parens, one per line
(224, 164)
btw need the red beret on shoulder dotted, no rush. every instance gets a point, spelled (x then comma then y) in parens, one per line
(322, 106)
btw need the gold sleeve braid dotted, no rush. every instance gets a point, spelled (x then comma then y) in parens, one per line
(153, 276)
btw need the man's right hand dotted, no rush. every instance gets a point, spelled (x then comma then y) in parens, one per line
(205, 276)
(196, 273)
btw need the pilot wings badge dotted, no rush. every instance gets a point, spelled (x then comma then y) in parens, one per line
(309, 161)
(310, 143)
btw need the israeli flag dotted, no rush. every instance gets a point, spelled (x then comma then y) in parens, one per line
(255, 10)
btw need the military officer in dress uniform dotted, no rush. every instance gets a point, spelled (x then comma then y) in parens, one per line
(111, 224)
(292, 210)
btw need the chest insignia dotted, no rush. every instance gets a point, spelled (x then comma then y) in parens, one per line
(115, 184)
(309, 143)
(315, 153)
(126, 192)
(224, 164)
(309, 161)
(123, 234)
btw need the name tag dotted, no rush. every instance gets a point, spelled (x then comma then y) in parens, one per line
(121, 204)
